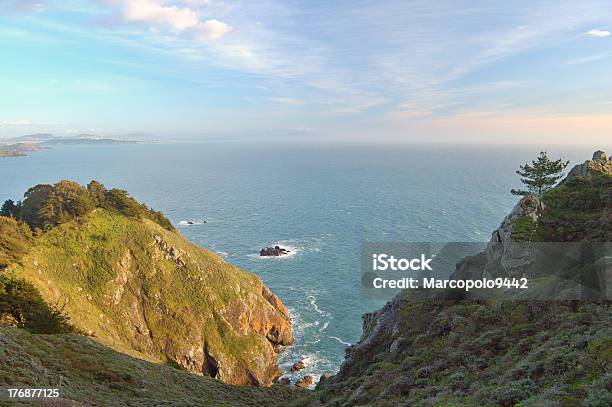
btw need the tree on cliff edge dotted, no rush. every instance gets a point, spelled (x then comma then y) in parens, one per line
(541, 175)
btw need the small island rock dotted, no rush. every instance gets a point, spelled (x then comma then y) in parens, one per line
(273, 251)
(285, 381)
(299, 365)
(304, 381)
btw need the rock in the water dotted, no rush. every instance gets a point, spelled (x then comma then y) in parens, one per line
(285, 381)
(299, 365)
(273, 251)
(304, 381)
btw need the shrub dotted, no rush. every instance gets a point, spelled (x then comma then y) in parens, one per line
(22, 304)
(15, 239)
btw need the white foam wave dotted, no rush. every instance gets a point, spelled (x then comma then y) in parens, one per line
(341, 341)
(191, 222)
(312, 300)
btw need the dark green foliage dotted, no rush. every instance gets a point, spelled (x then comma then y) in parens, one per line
(97, 191)
(523, 229)
(33, 206)
(10, 208)
(46, 206)
(541, 175)
(117, 200)
(576, 210)
(15, 239)
(467, 353)
(22, 305)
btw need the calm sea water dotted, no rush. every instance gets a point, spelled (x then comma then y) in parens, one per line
(320, 201)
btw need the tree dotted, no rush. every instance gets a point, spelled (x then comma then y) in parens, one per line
(97, 191)
(35, 199)
(10, 209)
(541, 175)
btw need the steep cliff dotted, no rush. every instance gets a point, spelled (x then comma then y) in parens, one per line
(144, 290)
(451, 348)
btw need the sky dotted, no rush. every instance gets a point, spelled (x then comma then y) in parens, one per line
(451, 71)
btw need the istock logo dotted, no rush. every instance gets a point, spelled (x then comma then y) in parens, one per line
(383, 262)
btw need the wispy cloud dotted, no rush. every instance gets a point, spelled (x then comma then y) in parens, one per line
(22, 6)
(15, 123)
(598, 33)
(286, 101)
(587, 59)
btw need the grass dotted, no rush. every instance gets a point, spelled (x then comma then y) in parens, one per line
(88, 373)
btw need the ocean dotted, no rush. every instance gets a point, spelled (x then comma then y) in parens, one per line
(321, 201)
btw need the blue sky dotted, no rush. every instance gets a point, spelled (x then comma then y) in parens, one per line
(491, 71)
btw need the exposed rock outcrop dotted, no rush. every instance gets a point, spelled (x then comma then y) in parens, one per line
(299, 365)
(599, 164)
(305, 381)
(285, 381)
(503, 249)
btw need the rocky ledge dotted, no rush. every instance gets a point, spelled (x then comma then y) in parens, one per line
(599, 164)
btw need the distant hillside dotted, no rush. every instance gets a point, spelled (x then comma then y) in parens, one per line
(22, 145)
(18, 149)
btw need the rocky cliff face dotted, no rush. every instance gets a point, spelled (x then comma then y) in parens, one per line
(444, 349)
(144, 290)
(599, 164)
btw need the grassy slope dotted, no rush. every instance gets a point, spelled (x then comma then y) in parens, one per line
(470, 354)
(76, 266)
(94, 375)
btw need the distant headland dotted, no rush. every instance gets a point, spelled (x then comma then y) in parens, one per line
(22, 145)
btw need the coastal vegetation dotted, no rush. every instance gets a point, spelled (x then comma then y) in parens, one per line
(90, 374)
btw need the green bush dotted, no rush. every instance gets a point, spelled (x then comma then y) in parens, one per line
(22, 305)
(15, 240)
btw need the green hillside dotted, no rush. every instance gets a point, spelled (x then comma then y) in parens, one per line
(90, 374)
(122, 275)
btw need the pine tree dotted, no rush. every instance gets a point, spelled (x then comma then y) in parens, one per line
(541, 175)
(9, 208)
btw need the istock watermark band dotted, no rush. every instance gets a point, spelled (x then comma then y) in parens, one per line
(549, 271)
